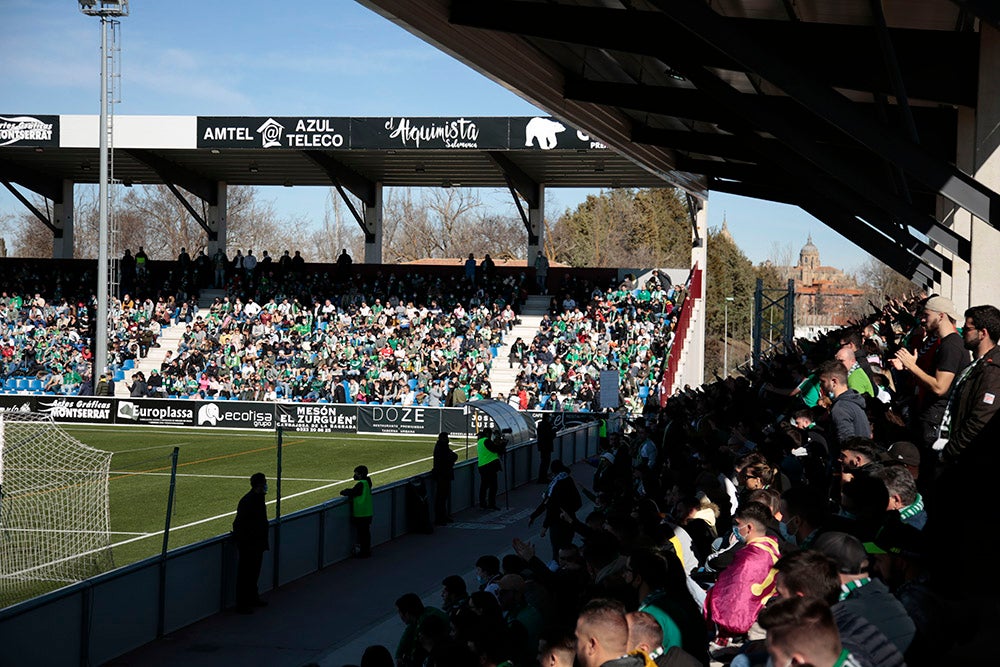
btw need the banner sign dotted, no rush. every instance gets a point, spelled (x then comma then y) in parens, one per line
(29, 130)
(318, 417)
(399, 419)
(394, 133)
(430, 133)
(281, 132)
(76, 409)
(563, 420)
(14, 403)
(548, 133)
(157, 411)
(455, 421)
(235, 414)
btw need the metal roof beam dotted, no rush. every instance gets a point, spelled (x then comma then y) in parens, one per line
(816, 187)
(171, 172)
(797, 152)
(41, 184)
(937, 125)
(835, 109)
(985, 10)
(840, 221)
(360, 187)
(940, 66)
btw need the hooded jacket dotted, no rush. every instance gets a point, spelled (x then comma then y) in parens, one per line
(848, 416)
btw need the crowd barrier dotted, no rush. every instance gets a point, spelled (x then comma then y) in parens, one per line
(104, 617)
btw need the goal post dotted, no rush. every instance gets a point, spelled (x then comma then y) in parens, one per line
(54, 513)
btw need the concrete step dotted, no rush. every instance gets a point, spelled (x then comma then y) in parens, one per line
(501, 375)
(208, 296)
(169, 340)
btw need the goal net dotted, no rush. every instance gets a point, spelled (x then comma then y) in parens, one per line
(54, 518)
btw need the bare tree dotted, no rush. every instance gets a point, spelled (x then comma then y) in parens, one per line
(882, 283)
(152, 217)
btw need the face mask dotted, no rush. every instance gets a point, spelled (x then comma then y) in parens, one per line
(786, 534)
(265, 488)
(736, 533)
(480, 579)
(830, 395)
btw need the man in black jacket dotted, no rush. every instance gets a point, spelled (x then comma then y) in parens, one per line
(560, 497)
(250, 531)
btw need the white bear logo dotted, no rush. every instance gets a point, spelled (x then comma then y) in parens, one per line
(543, 130)
(208, 413)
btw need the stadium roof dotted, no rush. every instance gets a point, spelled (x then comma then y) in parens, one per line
(845, 108)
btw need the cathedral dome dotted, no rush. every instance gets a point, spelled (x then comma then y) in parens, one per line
(809, 255)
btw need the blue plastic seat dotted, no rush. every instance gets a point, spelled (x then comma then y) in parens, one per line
(119, 376)
(128, 365)
(34, 384)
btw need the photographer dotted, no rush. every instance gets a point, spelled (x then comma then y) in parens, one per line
(490, 447)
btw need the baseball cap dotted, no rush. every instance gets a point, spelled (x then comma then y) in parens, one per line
(904, 452)
(847, 550)
(941, 304)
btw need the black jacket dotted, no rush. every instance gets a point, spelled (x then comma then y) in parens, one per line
(444, 461)
(250, 525)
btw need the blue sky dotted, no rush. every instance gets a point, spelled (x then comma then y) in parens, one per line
(333, 57)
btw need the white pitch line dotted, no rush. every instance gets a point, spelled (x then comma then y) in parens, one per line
(189, 474)
(147, 449)
(269, 502)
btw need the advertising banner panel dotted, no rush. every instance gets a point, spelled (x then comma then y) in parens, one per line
(429, 133)
(156, 411)
(77, 409)
(273, 132)
(18, 130)
(317, 417)
(413, 420)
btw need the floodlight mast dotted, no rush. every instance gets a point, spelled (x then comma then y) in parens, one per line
(108, 11)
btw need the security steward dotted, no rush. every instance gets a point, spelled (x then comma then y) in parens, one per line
(361, 510)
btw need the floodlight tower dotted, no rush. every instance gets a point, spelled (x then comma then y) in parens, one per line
(108, 11)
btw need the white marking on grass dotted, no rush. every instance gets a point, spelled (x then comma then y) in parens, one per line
(190, 474)
(143, 536)
(147, 449)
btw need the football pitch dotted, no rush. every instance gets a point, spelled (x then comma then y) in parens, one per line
(213, 471)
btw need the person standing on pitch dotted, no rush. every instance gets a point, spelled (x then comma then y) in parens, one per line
(250, 531)
(488, 454)
(361, 510)
(443, 472)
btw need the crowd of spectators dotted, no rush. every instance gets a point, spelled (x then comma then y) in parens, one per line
(410, 340)
(626, 328)
(287, 332)
(754, 522)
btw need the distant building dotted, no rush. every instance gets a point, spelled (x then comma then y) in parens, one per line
(823, 294)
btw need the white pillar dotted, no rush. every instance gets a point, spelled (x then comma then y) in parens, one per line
(694, 373)
(975, 282)
(217, 219)
(373, 226)
(62, 218)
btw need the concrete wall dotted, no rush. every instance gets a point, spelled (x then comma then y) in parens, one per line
(72, 625)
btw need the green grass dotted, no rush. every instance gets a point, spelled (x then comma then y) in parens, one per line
(213, 471)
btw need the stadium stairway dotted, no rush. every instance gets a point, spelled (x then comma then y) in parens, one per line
(501, 376)
(170, 338)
